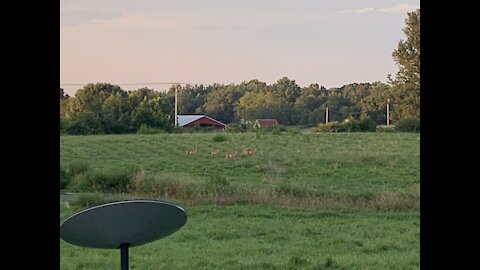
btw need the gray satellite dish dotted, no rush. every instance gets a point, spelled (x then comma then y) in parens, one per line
(122, 225)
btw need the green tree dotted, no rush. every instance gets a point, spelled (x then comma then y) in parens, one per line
(156, 112)
(191, 98)
(221, 102)
(374, 105)
(287, 89)
(406, 84)
(84, 112)
(116, 113)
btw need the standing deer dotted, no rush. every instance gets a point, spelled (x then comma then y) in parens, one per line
(231, 154)
(249, 151)
(191, 151)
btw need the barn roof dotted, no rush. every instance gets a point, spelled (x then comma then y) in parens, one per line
(267, 122)
(186, 119)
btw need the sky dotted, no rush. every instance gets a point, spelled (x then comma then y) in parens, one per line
(331, 43)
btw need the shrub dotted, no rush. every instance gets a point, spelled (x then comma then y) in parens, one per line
(220, 138)
(367, 125)
(146, 129)
(408, 124)
(89, 200)
(276, 131)
(157, 185)
(236, 128)
(78, 167)
(64, 180)
(294, 130)
(327, 127)
(112, 180)
(386, 129)
(63, 125)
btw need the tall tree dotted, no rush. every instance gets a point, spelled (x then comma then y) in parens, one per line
(406, 84)
(220, 102)
(287, 89)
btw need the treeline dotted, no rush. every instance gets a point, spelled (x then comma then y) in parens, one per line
(103, 108)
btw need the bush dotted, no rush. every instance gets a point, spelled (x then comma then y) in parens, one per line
(237, 128)
(64, 180)
(276, 131)
(118, 180)
(146, 129)
(327, 127)
(220, 138)
(367, 125)
(90, 200)
(408, 124)
(78, 167)
(386, 129)
(165, 185)
(63, 125)
(294, 130)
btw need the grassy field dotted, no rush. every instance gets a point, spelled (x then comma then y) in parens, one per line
(338, 163)
(265, 237)
(303, 201)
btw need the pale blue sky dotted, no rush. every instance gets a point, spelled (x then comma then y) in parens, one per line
(331, 43)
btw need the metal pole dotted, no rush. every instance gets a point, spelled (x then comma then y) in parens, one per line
(124, 256)
(388, 112)
(176, 106)
(326, 116)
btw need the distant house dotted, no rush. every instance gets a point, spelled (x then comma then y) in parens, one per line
(265, 123)
(199, 120)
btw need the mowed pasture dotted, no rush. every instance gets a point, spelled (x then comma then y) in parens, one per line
(301, 201)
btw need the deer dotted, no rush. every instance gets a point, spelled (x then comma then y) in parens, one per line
(250, 150)
(231, 154)
(215, 152)
(191, 151)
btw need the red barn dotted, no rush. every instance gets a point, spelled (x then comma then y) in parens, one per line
(199, 120)
(265, 123)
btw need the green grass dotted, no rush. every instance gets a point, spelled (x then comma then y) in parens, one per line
(338, 163)
(303, 201)
(265, 237)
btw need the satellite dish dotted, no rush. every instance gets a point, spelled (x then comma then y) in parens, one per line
(122, 225)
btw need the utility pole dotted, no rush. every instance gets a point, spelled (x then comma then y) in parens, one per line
(176, 105)
(388, 112)
(326, 116)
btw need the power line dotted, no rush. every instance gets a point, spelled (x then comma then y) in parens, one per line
(348, 113)
(145, 83)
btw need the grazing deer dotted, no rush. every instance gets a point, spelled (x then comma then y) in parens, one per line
(215, 152)
(231, 154)
(191, 151)
(249, 151)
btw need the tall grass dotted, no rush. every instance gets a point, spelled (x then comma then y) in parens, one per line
(347, 169)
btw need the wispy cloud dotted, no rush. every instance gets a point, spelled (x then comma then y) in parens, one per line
(73, 18)
(357, 11)
(397, 8)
